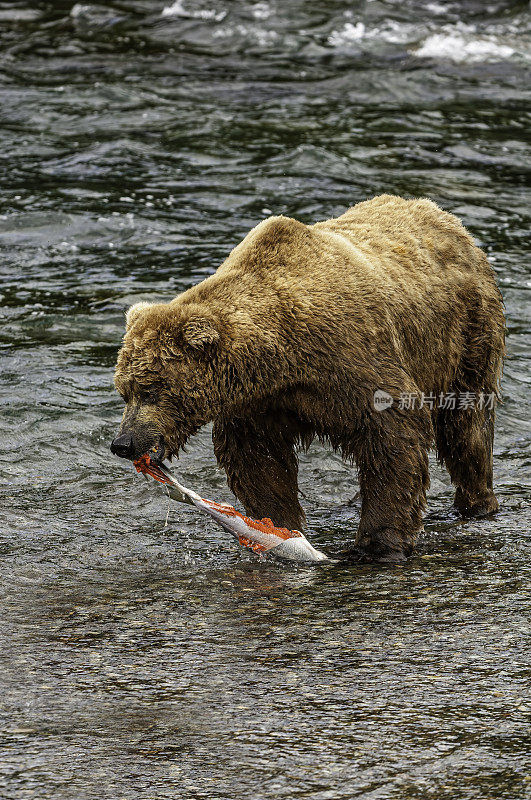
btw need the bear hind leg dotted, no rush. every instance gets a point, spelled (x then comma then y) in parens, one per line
(464, 444)
(465, 436)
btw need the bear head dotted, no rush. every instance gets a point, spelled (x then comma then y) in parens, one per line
(166, 374)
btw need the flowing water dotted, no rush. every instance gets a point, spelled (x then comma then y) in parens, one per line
(139, 141)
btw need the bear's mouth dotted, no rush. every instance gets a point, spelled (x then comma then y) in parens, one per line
(158, 452)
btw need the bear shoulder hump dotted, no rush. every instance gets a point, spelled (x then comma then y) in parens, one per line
(278, 230)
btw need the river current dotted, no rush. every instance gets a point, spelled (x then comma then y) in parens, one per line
(139, 142)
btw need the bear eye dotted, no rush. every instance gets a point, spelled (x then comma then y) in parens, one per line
(149, 397)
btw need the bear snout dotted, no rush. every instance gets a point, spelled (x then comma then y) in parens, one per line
(123, 446)
(133, 444)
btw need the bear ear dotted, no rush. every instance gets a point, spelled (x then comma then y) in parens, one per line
(132, 313)
(200, 334)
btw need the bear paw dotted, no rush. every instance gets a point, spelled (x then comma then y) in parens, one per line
(362, 555)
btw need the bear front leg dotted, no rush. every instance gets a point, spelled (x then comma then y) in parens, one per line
(392, 462)
(259, 458)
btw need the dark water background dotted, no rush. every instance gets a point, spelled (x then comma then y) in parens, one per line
(136, 148)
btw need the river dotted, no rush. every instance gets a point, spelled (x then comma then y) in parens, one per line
(139, 142)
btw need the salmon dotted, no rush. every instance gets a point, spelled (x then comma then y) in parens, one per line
(261, 536)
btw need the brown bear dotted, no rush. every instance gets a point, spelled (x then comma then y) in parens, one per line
(290, 340)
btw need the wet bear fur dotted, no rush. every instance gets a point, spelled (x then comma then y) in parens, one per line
(292, 336)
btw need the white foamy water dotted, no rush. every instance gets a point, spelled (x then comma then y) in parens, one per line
(350, 33)
(459, 43)
(436, 8)
(261, 36)
(457, 47)
(261, 11)
(178, 9)
(391, 32)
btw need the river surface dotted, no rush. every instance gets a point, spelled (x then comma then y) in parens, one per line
(139, 142)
